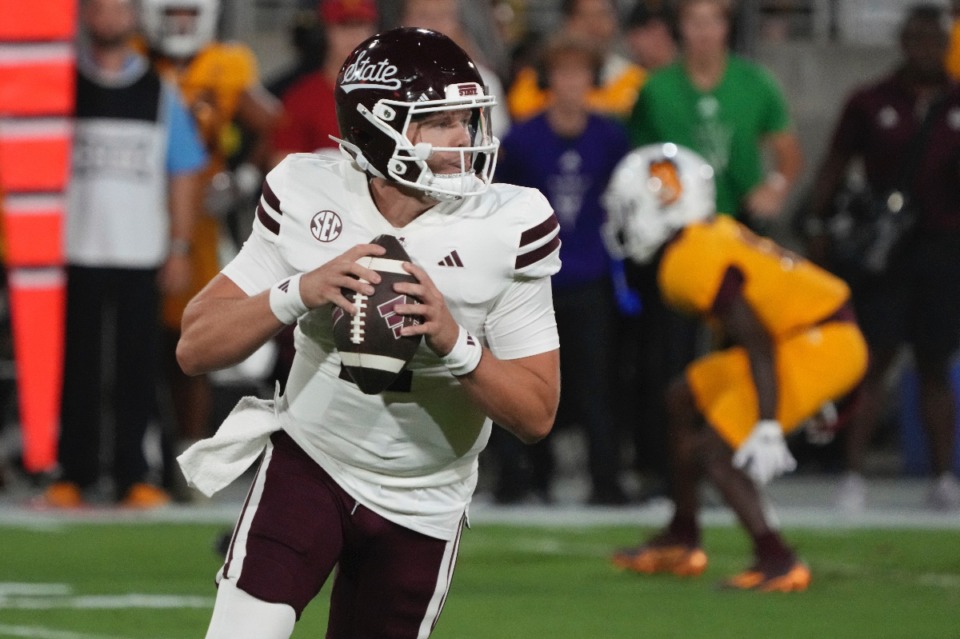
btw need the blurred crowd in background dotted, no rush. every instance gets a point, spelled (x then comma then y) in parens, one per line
(579, 83)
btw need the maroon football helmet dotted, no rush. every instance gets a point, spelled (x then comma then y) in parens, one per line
(396, 76)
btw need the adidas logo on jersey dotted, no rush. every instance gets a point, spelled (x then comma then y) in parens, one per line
(453, 259)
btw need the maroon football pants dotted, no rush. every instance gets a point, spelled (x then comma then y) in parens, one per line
(298, 523)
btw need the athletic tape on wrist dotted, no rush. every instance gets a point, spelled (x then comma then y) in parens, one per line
(768, 423)
(464, 357)
(285, 300)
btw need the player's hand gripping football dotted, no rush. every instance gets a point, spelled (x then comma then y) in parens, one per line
(764, 455)
(324, 284)
(438, 327)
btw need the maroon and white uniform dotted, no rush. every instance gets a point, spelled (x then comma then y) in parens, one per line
(410, 456)
(377, 485)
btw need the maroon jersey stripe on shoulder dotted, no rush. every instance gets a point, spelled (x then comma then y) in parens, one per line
(271, 198)
(539, 231)
(534, 256)
(268, 222)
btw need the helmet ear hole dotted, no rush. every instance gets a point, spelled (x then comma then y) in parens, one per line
(397, 167)
(384, 112)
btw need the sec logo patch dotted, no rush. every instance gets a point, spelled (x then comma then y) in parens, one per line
(326, 226)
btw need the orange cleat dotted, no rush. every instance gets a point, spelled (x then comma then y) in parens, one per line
(145, 496)
(62, 494)
(796, 578)
(680, 560)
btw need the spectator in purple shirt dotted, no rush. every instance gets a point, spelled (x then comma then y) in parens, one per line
(569, 153)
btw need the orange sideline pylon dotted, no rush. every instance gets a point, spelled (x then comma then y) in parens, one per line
(36, 102)
(37, 20)
(37, 300)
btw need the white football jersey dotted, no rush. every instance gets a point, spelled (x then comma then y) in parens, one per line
(408, 454)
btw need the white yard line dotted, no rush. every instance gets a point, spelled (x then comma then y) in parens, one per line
(15, 595)
(127, 601)
(57, 596)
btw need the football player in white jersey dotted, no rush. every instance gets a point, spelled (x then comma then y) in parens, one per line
(377, 485)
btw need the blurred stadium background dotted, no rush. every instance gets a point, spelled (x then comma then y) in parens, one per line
(531, 571)
(818, 49)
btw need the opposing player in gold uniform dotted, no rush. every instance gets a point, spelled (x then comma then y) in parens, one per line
(220, 84)
(793, 346)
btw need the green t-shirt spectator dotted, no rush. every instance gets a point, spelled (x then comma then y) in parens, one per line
(725, 125)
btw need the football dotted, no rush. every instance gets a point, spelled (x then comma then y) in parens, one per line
(372, 351)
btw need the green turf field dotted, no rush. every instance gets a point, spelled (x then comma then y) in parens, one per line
(154, 581)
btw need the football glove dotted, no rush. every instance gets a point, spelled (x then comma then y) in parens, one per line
(764, 455)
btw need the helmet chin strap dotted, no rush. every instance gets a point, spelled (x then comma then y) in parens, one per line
(443, 187)
(357, 155)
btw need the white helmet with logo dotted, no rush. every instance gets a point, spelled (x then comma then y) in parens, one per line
(176, 35)
(655, 191)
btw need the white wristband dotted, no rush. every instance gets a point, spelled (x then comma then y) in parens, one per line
(768, 423)
(285, 300)
(464, 357)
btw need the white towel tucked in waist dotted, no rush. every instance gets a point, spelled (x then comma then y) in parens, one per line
(212, 464)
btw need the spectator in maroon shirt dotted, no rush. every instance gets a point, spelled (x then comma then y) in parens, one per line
(310, 114)
(915, 301)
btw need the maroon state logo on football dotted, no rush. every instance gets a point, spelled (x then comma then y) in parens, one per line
(390, 316)
(372, 349)
(326, 226)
